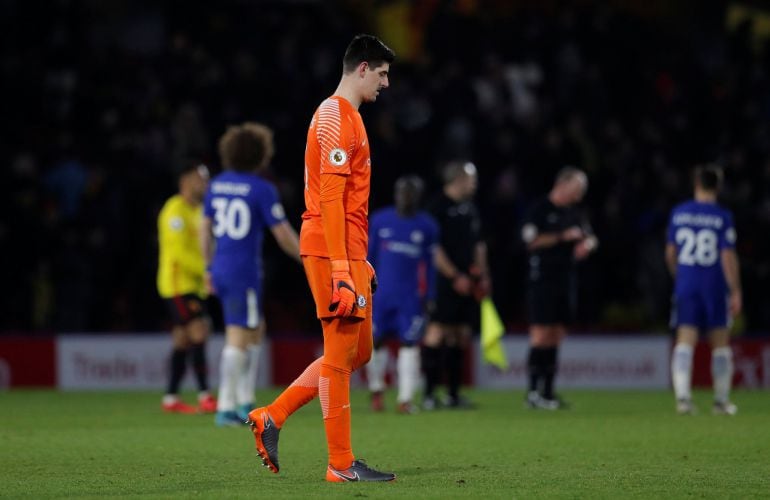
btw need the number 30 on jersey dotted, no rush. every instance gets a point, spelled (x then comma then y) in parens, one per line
(232, 217)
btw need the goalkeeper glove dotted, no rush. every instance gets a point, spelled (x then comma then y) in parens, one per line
(372, 276)
(343, 294)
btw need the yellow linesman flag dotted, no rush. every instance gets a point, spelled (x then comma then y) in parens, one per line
(492, 331)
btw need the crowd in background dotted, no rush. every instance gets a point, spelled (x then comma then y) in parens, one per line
(101, 100)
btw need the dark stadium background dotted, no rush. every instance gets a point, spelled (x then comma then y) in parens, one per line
(101, 99)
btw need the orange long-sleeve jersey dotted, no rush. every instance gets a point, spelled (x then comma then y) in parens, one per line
(337, 166)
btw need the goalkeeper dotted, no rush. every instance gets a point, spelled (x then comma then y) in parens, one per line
(333, 245)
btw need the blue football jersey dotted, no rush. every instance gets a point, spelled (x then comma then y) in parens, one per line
(240, 205)
(401, 251)
(700, 231)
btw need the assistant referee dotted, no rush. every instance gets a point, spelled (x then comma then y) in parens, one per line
(462, 279)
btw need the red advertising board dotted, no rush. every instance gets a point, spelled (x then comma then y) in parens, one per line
(27, 362)
(751, 361)
(292, 355)
(59, 361)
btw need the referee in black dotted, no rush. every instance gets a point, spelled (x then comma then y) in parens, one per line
(556, 236)
(462, 280)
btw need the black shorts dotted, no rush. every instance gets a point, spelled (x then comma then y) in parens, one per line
(452, 308)
(185, 308)
(550, 304)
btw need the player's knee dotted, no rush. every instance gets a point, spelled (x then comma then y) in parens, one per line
(343, 362)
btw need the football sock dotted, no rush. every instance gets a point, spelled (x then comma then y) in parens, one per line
(550, 366)
(231, 371)
(408, 372)
(198, 358)
(177, 369)
(248, 382)
(454, 358)
(298, 394)
(535, 368)
(375, 369)
(169, 399)
(431, 365)
(681, 370)
(722, 373)
(334, 393)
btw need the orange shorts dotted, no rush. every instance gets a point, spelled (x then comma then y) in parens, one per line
(319, 277)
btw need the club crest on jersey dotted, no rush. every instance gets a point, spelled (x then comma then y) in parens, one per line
(176, 223)
(361, 301)
(277, 211)
(338, 157)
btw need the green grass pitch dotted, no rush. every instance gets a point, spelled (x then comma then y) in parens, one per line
(609, 445)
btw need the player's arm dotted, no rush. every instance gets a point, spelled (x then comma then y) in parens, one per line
(338, 141)
(333, 222)
(670, 257)
(481, 264)
(550, 239)
(730, 266)
(287, 239)
(206, 241)
(535, 239)
(428, 261)
(731, 269)
(588, 244)
(429, 258)
(461, 283)
(269, 205)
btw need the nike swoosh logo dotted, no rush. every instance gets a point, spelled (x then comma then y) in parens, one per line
(345, 406)
(344, 476)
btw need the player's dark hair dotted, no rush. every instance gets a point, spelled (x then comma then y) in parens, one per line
(369, 49)
(456, 169)
(709, 177)
(246, 147)
(412, 181)
(184, 166)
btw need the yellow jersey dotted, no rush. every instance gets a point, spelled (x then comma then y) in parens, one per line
(181, 267)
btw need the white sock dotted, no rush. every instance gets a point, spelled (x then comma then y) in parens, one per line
(247, 384)
(232, 368)
(681, 370)
(375, 369)
(722, 373)
(408, 372)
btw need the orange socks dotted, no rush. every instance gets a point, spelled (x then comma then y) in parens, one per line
(347, 345)
(334, 392)
(297, 395)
